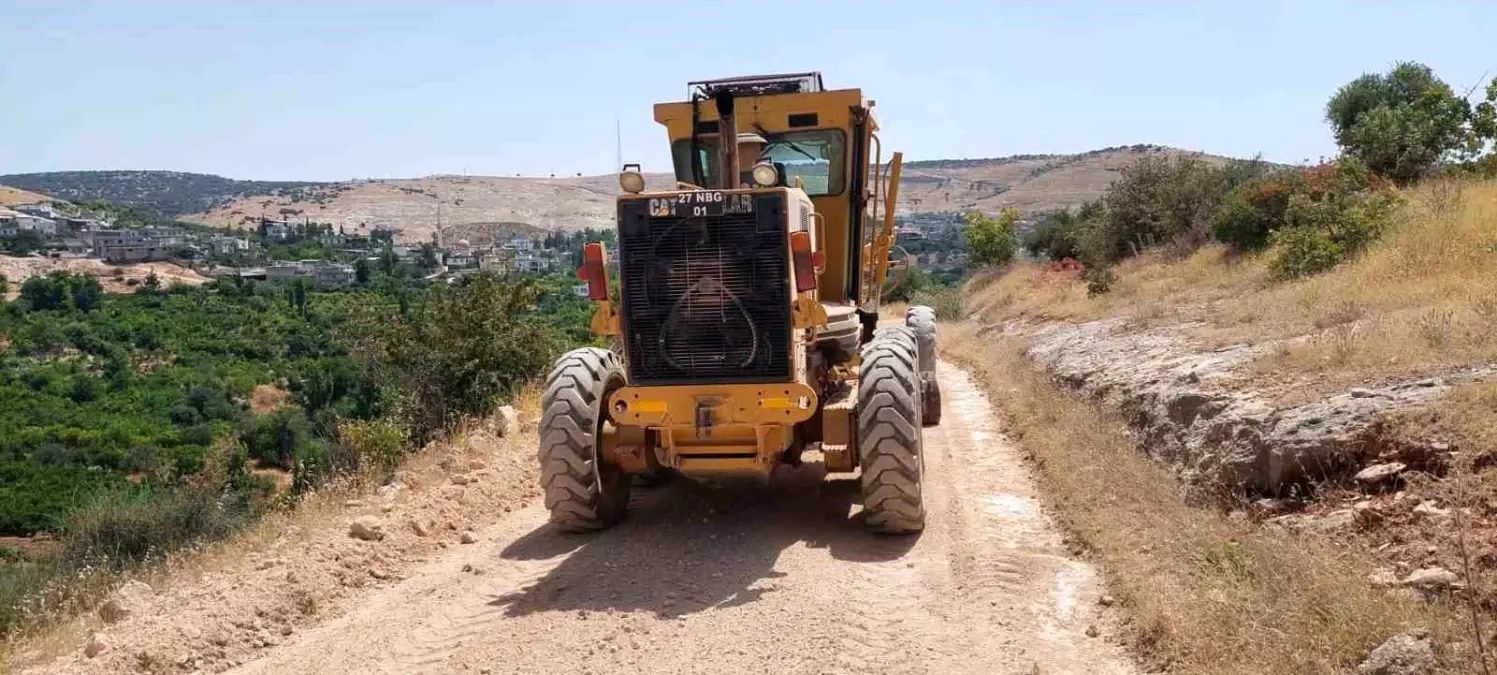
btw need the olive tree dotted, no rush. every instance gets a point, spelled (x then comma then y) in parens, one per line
(1401, 124)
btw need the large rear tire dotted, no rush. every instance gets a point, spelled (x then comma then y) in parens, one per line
(921, 320)
(889, 434)
(582, 493)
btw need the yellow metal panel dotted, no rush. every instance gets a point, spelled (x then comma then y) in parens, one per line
(624, 447)
(837, 458)
(834, 110)
(732, 404)
(697, 466)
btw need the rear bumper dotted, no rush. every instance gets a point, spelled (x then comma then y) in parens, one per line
(714, 429)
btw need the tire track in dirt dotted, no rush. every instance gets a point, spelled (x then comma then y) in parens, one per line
(746, 577)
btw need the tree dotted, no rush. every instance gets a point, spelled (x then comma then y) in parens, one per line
(296, 295)
(153, 282)
(61, 291)
(1484, 133)
(4, 286)
(361, 271)
(1057, 237)
(1162, 201)
(24, 242)
(387, 258)
(1400, 124)
(992, 242)
(428, 258)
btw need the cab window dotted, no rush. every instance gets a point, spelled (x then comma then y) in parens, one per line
(817, 157)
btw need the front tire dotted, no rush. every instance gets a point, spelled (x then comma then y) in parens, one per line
(582, 493)
(889, 434)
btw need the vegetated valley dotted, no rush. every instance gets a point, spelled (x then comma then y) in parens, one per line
(139, 423)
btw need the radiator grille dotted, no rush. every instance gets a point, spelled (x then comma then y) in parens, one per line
(705, 299)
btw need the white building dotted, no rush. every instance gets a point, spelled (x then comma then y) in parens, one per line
(16, 222)
(39, 209)
(226, 245)
(320, 272)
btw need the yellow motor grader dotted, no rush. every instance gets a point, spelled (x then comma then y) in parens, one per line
(747, 308)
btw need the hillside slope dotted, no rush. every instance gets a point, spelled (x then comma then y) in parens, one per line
(411, 206)
(10, 196)
(159, 193)
(1030, 183)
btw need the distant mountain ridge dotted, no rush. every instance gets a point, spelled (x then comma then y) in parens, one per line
(475, 205)
(165, 194)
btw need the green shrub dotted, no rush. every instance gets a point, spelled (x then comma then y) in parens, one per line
(1303, 251)
(127, 527)
(464, 348)
(1252, 212)
(1342, 211)
(378, 444)
(949, 303)
(278, 438)
(1057, 237)
(1159, 201)
(1099, 279)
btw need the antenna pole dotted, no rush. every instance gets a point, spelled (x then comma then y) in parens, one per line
(618, 140)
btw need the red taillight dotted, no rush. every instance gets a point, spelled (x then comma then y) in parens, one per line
(594, 270)
(804, 259)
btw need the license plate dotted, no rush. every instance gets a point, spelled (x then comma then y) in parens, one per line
(698, 203)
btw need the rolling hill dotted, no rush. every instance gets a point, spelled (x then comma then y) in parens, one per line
(1029, 183)
(158, 193)
(484, 206)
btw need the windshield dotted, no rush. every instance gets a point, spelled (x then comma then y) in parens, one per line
(816, 157)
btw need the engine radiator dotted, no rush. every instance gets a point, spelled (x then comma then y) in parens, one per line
(705, 299)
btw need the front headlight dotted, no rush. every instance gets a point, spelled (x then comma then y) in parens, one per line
(765, 175)
(633, 182)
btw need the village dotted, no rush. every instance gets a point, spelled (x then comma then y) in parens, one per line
(277, 250)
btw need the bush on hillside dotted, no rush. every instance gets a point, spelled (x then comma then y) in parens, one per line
(464, 347)
(1058, 236)
(993, 242)
(128, 527)
(377, 444)
(949, 303)
(279, 438)
(1252, 212)
(1158, 201)
(1341, 211)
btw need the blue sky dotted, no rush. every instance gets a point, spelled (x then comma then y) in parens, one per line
(337, 90)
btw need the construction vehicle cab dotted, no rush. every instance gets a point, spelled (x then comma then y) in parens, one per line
(747, 309)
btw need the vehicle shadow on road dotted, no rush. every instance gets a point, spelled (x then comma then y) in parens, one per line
(689, 546)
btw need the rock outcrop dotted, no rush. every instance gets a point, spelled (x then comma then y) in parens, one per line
(1183, 404)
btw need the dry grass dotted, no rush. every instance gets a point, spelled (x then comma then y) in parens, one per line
(1420, 301)
(1149, 288)
(1207, 593)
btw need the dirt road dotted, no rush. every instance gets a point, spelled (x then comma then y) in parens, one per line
(749, 579)
(740, 578)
